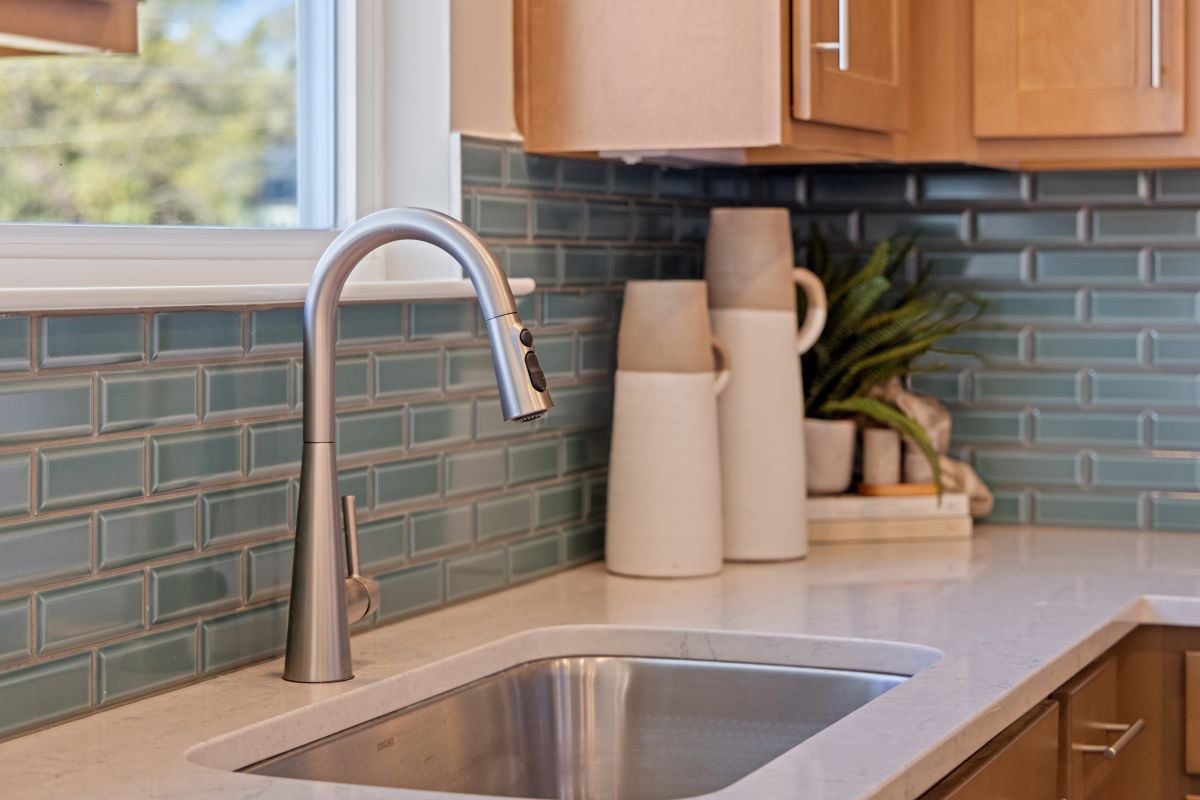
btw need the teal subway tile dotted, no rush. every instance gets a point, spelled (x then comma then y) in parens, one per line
(580, 405)
(528, 170)
(1092, 186)
(928, 226)
(439, 423)
(476, 573)
(1144, 224)
(609, 221)
(858, 188)
(557, 219)
(273, 447)
(949, 387)
(1144, 389)
(1075, 427)
(537, 262)
(1085, 267)
(269, 570)
(130, 535)
(349, 380)
(783, 187)
(240, 513)
(1000, 427)
(482, 164)
(245, 390)
(1170, 431)
(14, 344)
(475, 470)
(78, 341)
(14, 485)
(1098, 510)
(144, 665)
(693, 224)
(406, 481)
(276, 330)
(1175, 348)
(470, 368)
(583, 543)
(1022, 466)
(632, 264)
(243, 637)
(45, 693)
(381, 543)
(1011, 508)
(584, 264)
(533, 557)
(636, 180)
(399, 374)
(14, 630)
(195, 334)
(1026, 226)
(45, 551)
(571, 307)
(680, 264)
(37, 410)
(533, 461)
(584, 175)
(147, 398)
(504, 516)
(355, 482)
(1029, 387)
(972, 186)
(726, 185)
(490, 422)
(195, 459)
(557, 355)
(86, 474)
(597, 353)
(1161, 308)
(992, 347)
(980, 266)
(1124, 471)
(1094, 347)
(836, 227)
(653, 222)
(88, 612)
(683, 184)
(374, 431)
(1177, 184)
(450, 320)
(1177, 267)
(597, 496)
(1169, 513)
(558, 504)
(410, 590)
(194, 587)
(370, 322)
(501, 215)
(1033, 306)
(441, 529)
(585, 451)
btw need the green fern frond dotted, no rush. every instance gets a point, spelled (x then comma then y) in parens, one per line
(889, 415)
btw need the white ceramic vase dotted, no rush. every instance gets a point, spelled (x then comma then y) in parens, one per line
(831, 448)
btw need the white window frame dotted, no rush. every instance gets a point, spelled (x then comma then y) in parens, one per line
(393, 146)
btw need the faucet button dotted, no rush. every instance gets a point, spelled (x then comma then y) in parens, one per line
(536, 377)
(526, 337)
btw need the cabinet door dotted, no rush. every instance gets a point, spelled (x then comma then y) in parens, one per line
(1078, 67)
(849, 62)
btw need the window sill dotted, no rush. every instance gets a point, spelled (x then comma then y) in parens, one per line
(27, 299)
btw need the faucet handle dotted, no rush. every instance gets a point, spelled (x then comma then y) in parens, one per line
(362, 593)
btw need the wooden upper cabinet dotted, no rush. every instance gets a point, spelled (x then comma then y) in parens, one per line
(1078, 68)
(850, 62)
(48, 27)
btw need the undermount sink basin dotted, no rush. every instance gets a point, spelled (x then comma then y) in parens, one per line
(637, 728)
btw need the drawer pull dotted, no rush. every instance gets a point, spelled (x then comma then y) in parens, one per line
(1111, 751)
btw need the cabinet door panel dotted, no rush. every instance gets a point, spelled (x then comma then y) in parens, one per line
(1078, 67)
(865, 87)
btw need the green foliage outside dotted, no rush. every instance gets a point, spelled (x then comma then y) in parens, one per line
(194, 130)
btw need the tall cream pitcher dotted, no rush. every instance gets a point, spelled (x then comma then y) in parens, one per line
(749, 267)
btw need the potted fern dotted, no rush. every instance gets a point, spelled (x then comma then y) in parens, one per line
(879, 326)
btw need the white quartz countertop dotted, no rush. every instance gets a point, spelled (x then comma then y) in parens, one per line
(1015, 613)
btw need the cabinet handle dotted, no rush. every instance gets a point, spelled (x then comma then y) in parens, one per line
(1111, 751)
(1156, 61)
(842, 45)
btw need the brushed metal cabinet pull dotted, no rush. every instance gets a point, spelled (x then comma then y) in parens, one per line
(1128, 734)
(1156, 44)
(842, 45)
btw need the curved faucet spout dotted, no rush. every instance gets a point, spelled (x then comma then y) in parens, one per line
(318, 645)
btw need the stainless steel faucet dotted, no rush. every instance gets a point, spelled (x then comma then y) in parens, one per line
(326, 596)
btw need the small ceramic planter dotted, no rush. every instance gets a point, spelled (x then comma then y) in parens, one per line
(829, 448)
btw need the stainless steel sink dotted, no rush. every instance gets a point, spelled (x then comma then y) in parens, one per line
(591, 727)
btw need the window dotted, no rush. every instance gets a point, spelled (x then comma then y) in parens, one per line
(200, 128)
